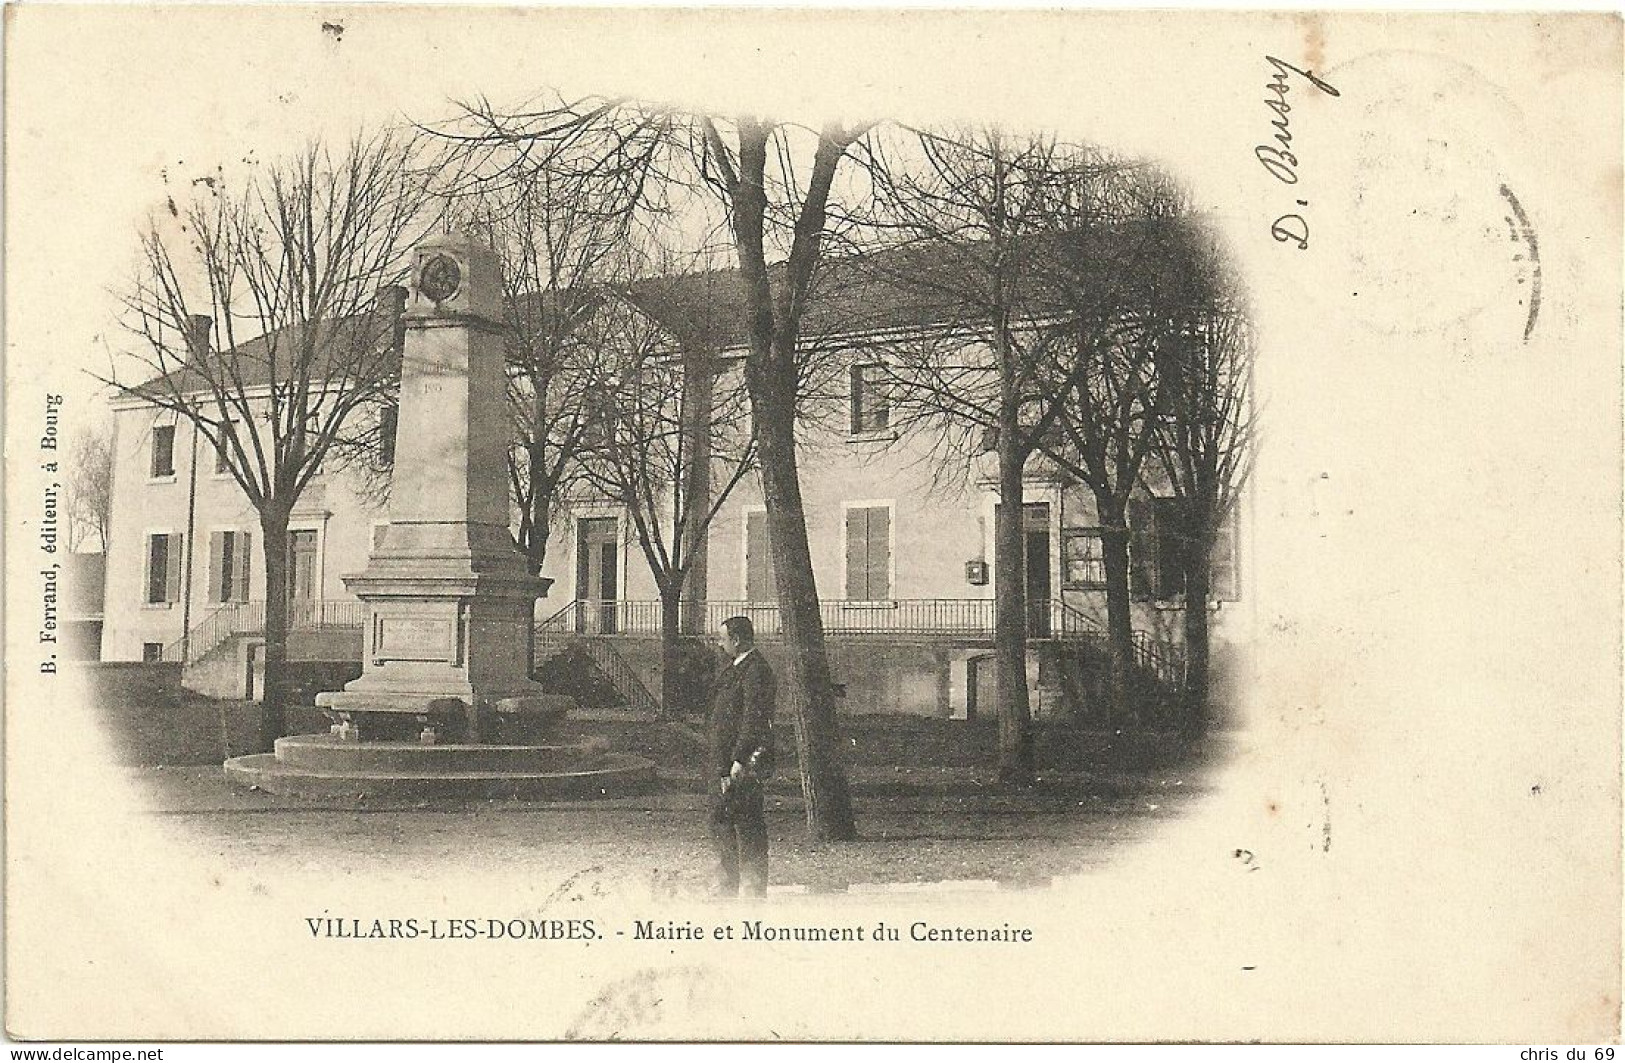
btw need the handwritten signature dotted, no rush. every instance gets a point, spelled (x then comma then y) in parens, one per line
(1278, 159)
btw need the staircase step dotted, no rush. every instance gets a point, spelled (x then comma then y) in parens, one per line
(616, 774)
(326, 753)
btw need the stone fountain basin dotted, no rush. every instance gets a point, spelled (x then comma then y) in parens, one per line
(327, 766)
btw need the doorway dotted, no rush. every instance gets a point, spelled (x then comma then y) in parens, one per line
(1035, 541)
(598, 545)
(1036, 561)
(301, 578)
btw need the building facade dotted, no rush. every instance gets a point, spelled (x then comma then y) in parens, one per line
(902, 551)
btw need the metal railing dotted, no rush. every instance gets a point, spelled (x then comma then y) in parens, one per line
(1165, 660)
(900, 617)
(622, 676)
(1162, 659)
(248, 618)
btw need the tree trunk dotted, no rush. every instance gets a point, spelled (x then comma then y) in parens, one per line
(699, 385)
(273, 705)
(772, 378)
(539, 512)
(812, 696)
(1111, 513)
(1198, 577)
(672, 700)
(1010, 617)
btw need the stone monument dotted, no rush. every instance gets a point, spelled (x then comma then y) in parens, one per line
(445, 693)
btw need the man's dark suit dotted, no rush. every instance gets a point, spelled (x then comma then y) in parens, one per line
(741, 727)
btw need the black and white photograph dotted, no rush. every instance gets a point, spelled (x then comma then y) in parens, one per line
(532, 524)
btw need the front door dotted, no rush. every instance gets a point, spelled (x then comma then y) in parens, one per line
(1035, 534)
(597, 574)
(301, 577)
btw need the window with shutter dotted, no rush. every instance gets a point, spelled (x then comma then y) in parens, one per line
(1085, 558)
(1167, 517)
(157, 568)
(1224, 582)
(871, 405)
(868, 553)
(163, 450)
(758, 559)
(222, 453)
(228, 567)
(1142, 549)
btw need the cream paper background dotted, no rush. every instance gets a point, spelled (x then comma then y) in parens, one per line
(1434, 574)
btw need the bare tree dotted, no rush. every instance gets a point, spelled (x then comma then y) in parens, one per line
(669, 441)
(1013, 247)
(774, 182)
(270, 316)
(1104, 277)
(562, 238)
(1206, 436)
(90, 489)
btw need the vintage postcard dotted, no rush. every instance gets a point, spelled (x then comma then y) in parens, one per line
(614, 524)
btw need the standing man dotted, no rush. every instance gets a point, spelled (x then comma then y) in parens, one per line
(741, 760)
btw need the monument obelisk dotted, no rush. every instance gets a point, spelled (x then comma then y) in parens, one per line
(449, 600)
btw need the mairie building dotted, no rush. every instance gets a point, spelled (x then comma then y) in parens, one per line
(902, 556)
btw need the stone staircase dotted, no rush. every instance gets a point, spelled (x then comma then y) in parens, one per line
(628, 686)
(214, 656)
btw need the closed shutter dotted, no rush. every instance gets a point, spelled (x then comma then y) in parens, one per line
(758, 559)
(857, 555)
(1223, 584)
(879, 527)
(244, 551)
(172, 577)
(217, 566)
(163, 450)
(1142, 549)
(868, 553)
(153, 578)
(1173, 540)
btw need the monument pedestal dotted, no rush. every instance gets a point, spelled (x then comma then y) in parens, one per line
(447, 656)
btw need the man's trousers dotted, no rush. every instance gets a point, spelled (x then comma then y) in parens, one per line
(739, 832)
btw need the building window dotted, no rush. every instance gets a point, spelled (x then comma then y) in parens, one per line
(598, 423)
(1084, 559)
(1224, 575)
(758, 559)
(163, 450)
(223, 450)
(163, 568)
(868, 553)
(871, 401)
(229, 552)
(152, 652)
(1158, 542)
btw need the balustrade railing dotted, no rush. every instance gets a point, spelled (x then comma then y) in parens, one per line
(248, 618)
(962, 617)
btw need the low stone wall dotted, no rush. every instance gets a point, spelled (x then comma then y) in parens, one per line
(890, 678)
(122, 683)
(151, 719)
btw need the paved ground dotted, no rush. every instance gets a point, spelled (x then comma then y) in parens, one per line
(921, 828)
